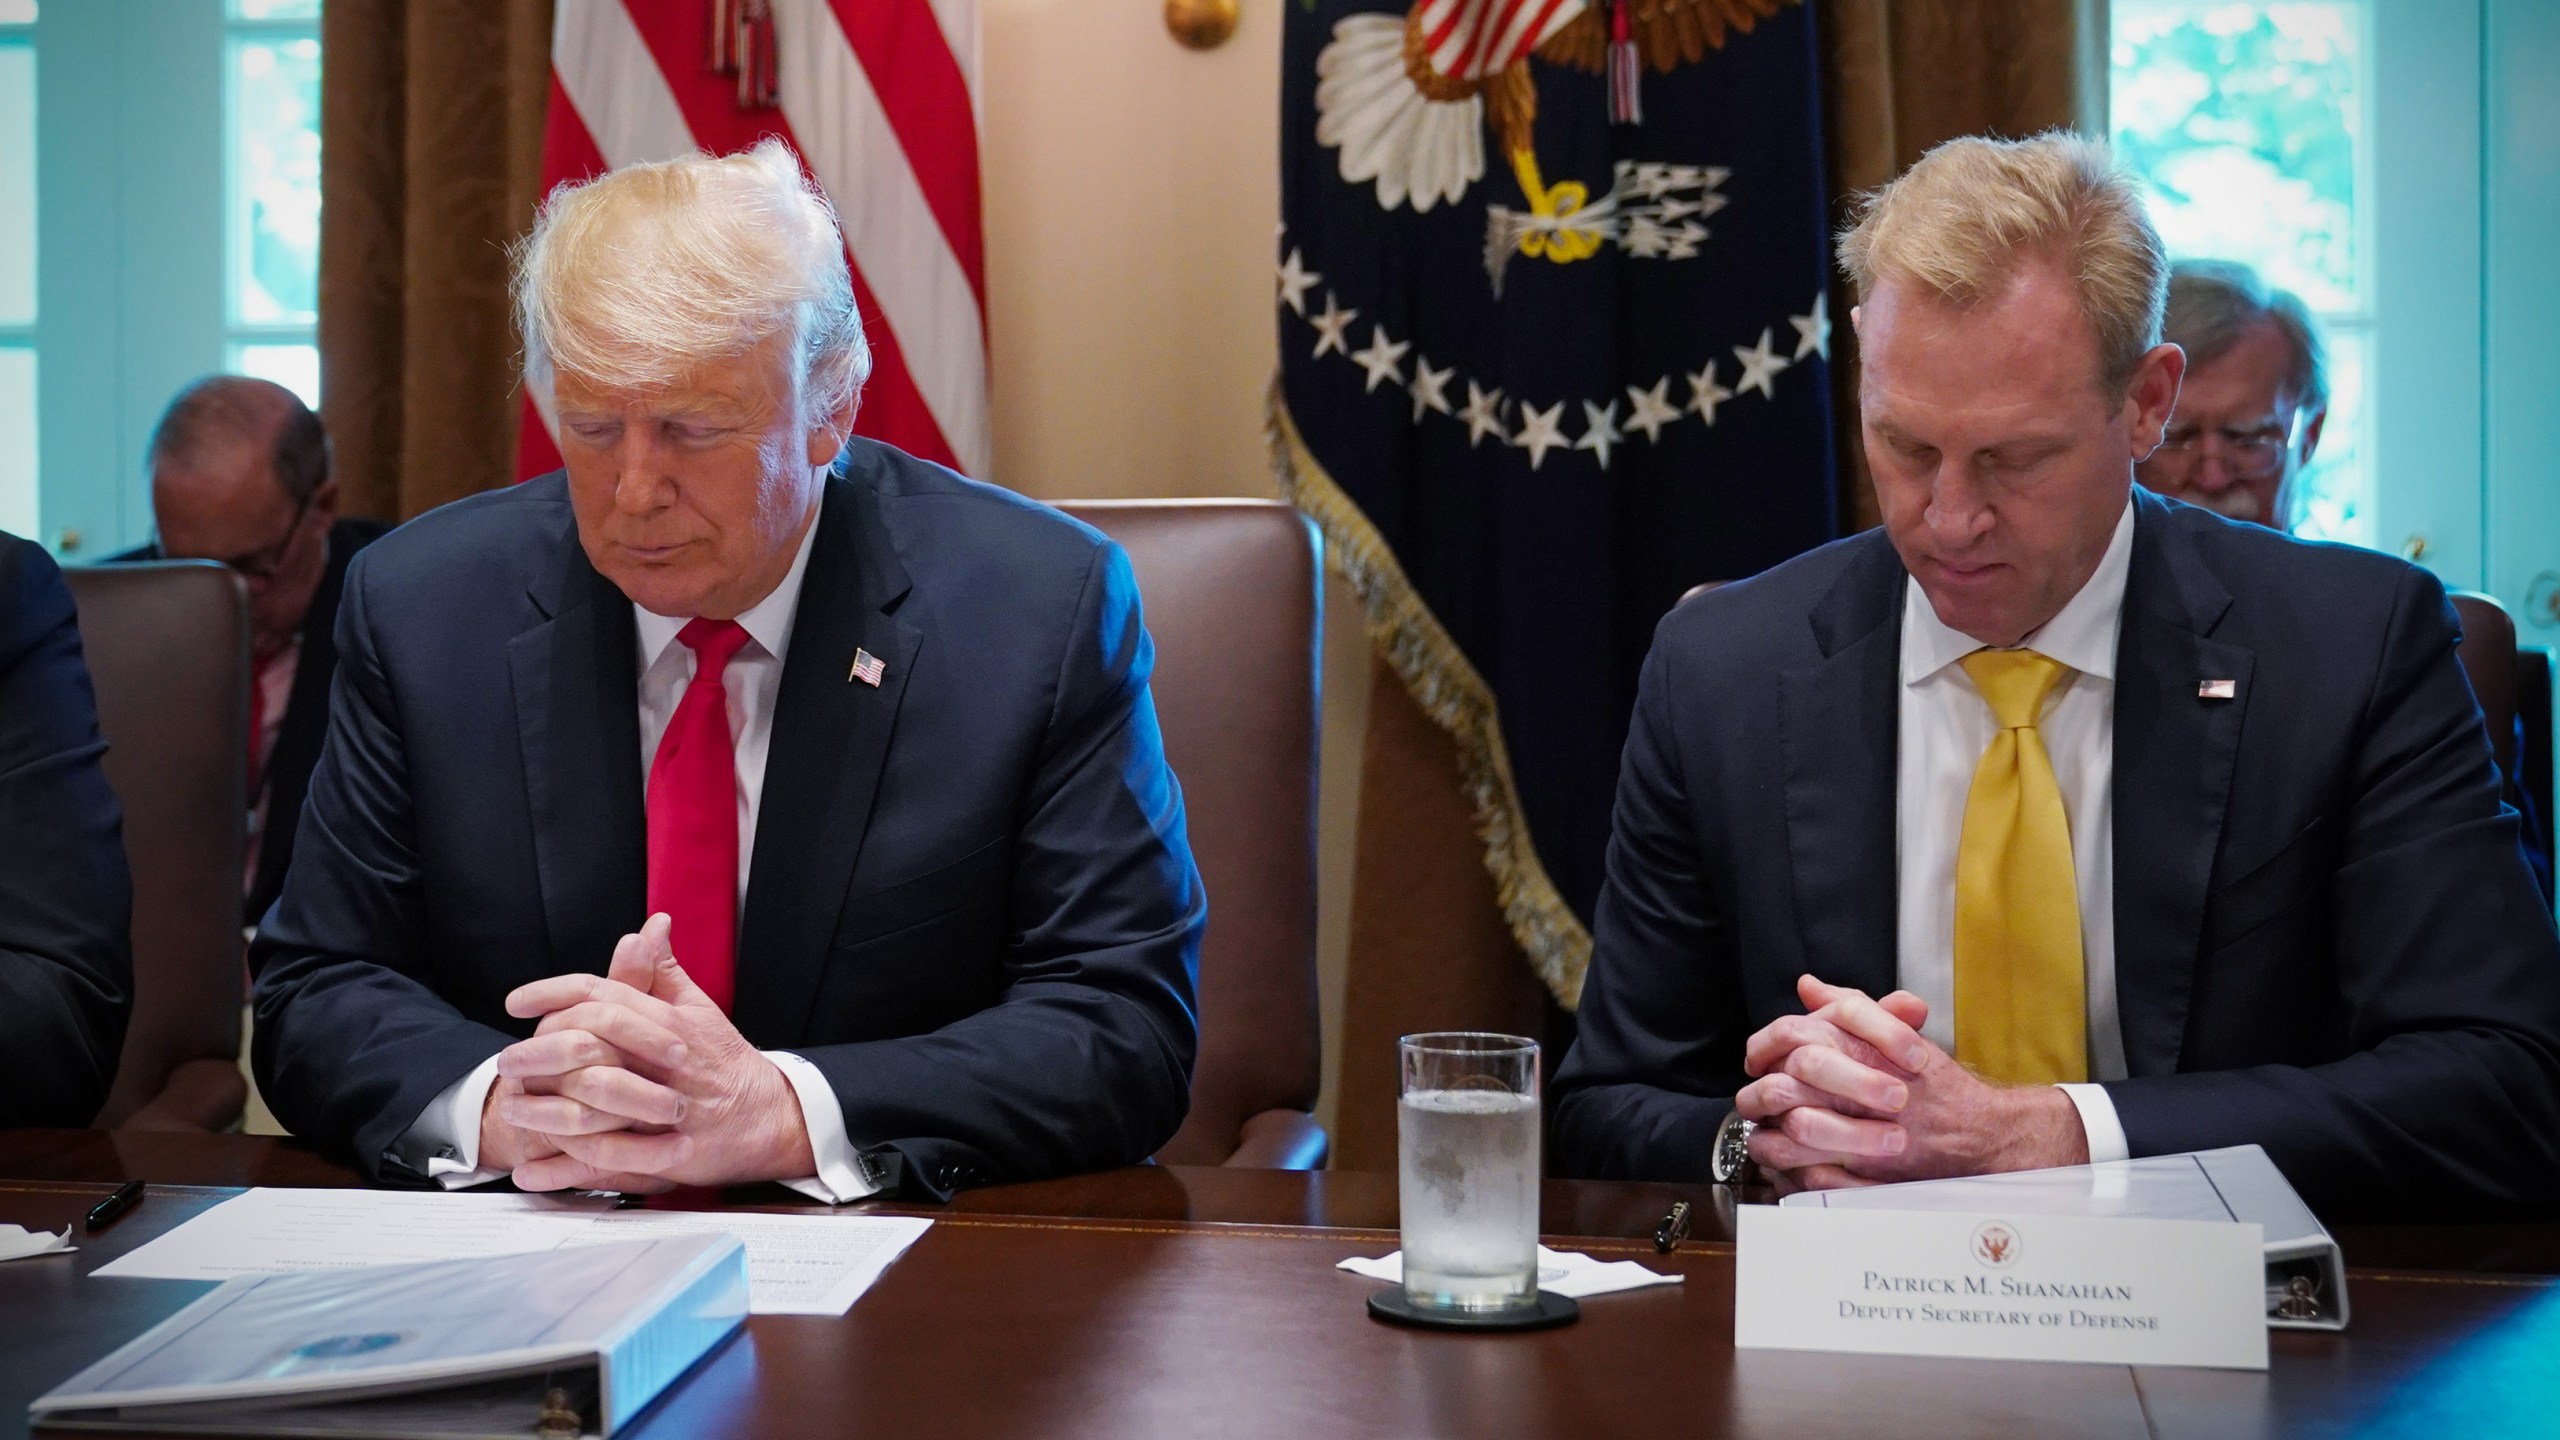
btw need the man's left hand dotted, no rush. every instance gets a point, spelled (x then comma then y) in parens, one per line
(720, 1114)
(1953, 1122)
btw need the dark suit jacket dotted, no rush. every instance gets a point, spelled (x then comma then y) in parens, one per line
(972, 904)
(2327, 942)
(66, 901)
(287, 776)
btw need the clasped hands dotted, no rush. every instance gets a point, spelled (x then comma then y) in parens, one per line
(636, 1081)
(1851, 1093)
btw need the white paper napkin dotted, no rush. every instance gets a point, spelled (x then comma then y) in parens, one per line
(17, 1242)
(1561, 1271)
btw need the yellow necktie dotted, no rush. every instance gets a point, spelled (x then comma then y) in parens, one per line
(2021, 996)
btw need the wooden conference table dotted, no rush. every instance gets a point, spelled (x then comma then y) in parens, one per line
(1192, 1302)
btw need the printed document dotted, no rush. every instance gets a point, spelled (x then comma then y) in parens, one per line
(796, 1264)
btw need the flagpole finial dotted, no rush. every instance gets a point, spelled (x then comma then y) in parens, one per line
(1201, 24)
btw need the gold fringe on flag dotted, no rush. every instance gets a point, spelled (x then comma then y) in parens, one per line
(1446, 685)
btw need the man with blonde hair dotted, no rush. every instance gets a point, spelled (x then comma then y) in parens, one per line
(2153, 831)
(747, 801)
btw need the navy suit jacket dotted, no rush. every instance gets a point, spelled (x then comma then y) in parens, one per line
(2327, 940)
(66, 900)
(972, 904)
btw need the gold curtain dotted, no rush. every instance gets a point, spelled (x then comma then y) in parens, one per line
(1429, 950)
(431, 159)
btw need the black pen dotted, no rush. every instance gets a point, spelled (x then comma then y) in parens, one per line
(1673, 1229)
(115, 1207)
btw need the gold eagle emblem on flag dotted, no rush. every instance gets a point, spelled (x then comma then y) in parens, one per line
(1407, 100)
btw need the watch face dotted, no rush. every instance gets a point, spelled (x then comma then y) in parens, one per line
(1733, 1150)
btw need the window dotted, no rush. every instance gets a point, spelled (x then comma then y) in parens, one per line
(271, 192)
(18, 267)
(167, 208)
(2249, 123)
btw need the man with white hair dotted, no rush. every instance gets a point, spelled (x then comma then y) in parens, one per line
(2154, 831)
(2254, 399)
(745, 802)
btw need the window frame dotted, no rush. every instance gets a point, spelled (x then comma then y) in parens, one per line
(20, 336)
(240, 334)
(133, 157)
(2417, 319)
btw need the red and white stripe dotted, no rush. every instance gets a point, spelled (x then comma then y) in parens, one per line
(880, 99)
(1470, 39)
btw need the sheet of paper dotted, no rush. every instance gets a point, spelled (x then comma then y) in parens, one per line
(2237, 1183)
(2164, 1187)
(1563, 1272)
(796, 1264)
(17, 1242)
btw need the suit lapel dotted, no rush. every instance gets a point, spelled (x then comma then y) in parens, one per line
(830, 738)
(2174, 753)
(576, 681)
(1838, 721)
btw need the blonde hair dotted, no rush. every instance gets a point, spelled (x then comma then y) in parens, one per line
(633, 279)
(1960, 221)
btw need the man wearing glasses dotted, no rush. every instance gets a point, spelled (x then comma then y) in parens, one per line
(240, 476)
(2255, 397)
(2249, 416)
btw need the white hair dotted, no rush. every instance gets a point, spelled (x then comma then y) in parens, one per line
(634, 279)
(2213, 303)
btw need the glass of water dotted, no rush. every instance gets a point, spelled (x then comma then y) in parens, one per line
(1468, 1169)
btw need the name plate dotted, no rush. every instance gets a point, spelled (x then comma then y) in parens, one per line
(2000, 1287)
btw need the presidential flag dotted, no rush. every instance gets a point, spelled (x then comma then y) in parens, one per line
(879, 99)
(1554, 348)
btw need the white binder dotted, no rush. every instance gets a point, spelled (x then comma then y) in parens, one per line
(2306, 1275)
(558, 1344)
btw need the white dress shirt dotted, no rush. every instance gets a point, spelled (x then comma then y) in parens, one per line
(448, 1130)
(1946, 726)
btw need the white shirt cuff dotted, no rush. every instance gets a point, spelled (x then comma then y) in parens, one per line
(839, 1178)
(447, 1132)
(2099, 1123)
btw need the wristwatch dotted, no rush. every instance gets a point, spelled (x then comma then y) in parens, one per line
(1730, 1161)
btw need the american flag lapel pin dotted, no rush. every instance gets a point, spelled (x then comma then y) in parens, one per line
(869, 668)
(2217, 689)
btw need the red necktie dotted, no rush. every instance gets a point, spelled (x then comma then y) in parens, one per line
(693, 817)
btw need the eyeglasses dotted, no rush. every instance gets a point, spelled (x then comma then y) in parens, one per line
(259, 566)
(2248, 454)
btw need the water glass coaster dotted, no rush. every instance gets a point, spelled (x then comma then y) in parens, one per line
(1545, 1312)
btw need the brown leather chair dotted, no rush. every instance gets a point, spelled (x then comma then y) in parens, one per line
(168, 649)
(1233, 599)
(2504, 678)
(2488, 656)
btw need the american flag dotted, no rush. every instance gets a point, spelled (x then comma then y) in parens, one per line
(868, 668)
(880, 99)
(1470, 39)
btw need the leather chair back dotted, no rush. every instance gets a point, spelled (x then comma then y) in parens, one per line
(1233, 600)
(2533, 707)
(2512, 682)
(168, 649)
(2488, 656)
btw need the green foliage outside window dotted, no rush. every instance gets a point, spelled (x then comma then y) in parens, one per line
(2246, 121)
